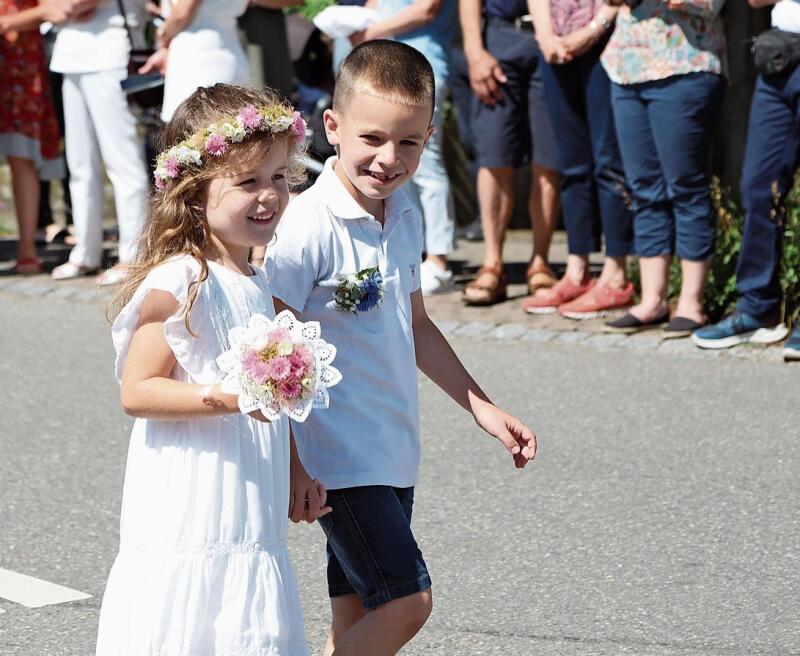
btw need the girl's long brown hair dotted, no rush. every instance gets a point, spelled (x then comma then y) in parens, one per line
(176, 223)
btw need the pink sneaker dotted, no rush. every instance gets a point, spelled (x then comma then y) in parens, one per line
(562, 292)
(599, 301)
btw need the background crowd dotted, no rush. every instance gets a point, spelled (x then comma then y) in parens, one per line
(612, 104)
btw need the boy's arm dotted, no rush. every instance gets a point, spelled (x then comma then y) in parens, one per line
(437, 360)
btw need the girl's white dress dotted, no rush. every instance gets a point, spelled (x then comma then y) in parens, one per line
(208, 51)
(203, 568)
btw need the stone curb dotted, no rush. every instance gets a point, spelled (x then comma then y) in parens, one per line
(508, 332)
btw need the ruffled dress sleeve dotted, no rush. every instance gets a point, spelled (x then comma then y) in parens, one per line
(194, 353)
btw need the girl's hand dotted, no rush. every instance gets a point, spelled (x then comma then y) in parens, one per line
(155, 62)
(578, 42)
(307, 495)
(555, 50)
(519, 440)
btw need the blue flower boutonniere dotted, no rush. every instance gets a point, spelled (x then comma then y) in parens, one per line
(359, 292)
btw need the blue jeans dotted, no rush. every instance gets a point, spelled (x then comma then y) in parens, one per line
(593, 190)
(664, 132)
(773, 140)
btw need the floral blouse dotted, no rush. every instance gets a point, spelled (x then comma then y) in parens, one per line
(653, 42)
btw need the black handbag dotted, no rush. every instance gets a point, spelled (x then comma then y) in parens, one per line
(776, 52)
(145, 91)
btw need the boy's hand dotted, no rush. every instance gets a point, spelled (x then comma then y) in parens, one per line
(515, 436)
(307, 496)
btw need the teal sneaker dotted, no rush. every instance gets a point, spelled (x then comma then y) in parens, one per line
(739, 328)
(791, 350)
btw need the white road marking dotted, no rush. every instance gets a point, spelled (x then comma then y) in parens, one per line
(33, 592)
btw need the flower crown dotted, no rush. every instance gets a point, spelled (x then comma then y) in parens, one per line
(215, 139)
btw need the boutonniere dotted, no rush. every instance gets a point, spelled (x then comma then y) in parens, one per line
(359, 292)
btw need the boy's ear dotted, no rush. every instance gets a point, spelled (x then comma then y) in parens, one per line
(428, 136)
(331, 121)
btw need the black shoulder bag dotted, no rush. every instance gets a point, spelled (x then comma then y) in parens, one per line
(776, 52)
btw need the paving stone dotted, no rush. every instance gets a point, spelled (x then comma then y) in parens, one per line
(447, 327)
(20, 286)
(572, 337)
(604, 341)
(539, 335)
(65, 292)
(7, 281)
(642, 341)
(508, 331)
(36, 290)
(679, 346)
(87, 295)
(474, 329)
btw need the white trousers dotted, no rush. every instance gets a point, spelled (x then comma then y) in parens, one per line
(430, 190)
(100, 129)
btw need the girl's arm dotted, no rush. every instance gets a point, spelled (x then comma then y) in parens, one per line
(181, 15)
(147, 390)
(412, 17)
(437, 360)
(551, 45)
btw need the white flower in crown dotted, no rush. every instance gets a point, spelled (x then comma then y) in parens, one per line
(282, 123)
(234, 131)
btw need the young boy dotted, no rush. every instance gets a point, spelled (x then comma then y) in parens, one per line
(365, 447)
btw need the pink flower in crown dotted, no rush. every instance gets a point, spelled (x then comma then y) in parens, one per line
(278, 368)
(159, 183)
(172, 167)
(215, 144)
(250, 118)
(290, 388)
(254, 367)
(299, 128)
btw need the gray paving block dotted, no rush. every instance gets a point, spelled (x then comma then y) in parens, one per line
(87, 295)
(642, 341)
(447, 327)
(473, 329)
(604, 341)
(36, 290)
(539, 335)
(508, 331)
(65, 292)
(571, 337)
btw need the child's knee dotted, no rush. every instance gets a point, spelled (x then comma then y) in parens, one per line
(411, 612)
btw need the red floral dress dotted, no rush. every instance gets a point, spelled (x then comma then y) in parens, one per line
(28, 127)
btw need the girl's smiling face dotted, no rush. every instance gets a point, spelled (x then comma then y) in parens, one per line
(244, 207)
(379, 145)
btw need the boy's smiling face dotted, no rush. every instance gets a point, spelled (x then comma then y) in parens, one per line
(379, 145)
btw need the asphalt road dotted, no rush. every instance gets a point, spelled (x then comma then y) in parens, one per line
(661, 517)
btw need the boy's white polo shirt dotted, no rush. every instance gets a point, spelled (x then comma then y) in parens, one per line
(370, 433)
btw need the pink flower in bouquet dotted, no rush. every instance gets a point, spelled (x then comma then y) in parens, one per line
(300, 359)
(255, 368)
(278, 367)
(279, 335)
(290, 388)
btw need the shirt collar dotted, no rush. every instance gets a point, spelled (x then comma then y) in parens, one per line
(344, 206)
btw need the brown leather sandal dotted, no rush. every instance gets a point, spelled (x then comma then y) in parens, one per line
(539, 277)
(477, 293)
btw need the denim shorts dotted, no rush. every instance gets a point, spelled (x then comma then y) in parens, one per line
(371, 550)
(517, 130)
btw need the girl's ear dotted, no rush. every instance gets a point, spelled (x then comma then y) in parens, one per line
(331, 121)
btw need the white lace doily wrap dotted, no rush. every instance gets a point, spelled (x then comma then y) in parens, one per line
(256, 398)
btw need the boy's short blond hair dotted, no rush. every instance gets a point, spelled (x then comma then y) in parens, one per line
(390, 69)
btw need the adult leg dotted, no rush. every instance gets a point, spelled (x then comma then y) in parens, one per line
(616, 217)
(771, 156)
(123, 154)
(496, 201)
(566, 105)
(25, 187)
(431, 187)
(86, 179)
(682, 111)
(653, 223)
(545, 200)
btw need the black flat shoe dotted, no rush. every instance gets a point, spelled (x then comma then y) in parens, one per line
(629, 324)
(680, 327)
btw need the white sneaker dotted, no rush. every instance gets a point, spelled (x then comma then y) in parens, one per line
(434, 280)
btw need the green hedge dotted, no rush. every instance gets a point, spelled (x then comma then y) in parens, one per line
(720, 295)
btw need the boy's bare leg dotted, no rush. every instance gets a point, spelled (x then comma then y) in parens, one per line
(383, 631)
(346, 610)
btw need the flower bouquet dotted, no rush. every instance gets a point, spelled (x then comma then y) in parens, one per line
(279, 366)
(359, 292)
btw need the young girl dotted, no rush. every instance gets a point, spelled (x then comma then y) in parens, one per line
(203, 568)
